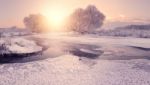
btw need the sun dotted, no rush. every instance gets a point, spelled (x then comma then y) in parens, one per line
(56, 17)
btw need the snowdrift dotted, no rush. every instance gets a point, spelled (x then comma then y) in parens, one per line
(14, 48)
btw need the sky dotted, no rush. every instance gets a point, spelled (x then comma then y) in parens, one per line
(12, 12)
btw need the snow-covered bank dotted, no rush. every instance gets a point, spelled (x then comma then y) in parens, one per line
(19, 45)
(69, 70)
(12, 49)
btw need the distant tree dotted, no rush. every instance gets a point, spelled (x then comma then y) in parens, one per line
(86, 20)
(14, 27)
(35, 22)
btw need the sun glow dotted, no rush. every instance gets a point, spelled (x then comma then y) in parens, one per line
(56, 18)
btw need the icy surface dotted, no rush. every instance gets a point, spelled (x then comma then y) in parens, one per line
(120, 63)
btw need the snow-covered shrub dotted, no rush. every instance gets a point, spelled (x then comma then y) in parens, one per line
(10, 32)
(141, 31)
(85, 20)
(36, 22)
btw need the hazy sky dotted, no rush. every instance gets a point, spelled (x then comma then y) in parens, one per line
(12, 12)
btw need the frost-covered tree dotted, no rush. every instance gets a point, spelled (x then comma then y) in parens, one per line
(86, 20)
(35, 22)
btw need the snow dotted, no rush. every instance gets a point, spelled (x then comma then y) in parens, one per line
(9, 32)
(68, 70)
(120, 64)
(20, 45)
(88, 51)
